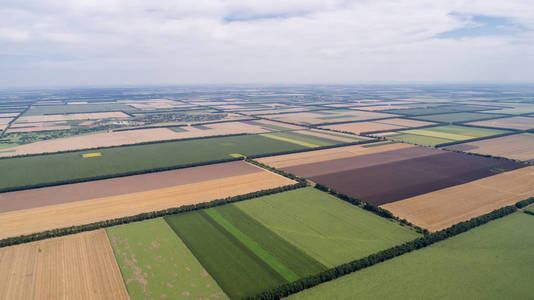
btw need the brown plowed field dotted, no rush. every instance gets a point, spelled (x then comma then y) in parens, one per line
(83, 212)
(79, 266)
(122, 185)
(394, 175)
(118, 138)
(296, 159)
(517, 146)
(444, 208)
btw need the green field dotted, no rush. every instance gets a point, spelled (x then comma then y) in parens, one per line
(433, 136)
(23, 171)
(493, 261)
(76, 108)
(304, 139)
(328, 229)
(155, 263)
(347, 136)
(233, 265)
(458, 117)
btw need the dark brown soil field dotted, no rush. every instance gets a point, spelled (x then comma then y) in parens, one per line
(395, 175)
(117, 186)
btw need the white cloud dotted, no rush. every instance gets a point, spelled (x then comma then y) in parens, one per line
(217, 41)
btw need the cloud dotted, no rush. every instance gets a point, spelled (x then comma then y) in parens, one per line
(52, 42)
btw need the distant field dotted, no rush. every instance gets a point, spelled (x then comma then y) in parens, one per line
(327, 116)
(458, 117)
(437, 110)
(519, 123)
(493, 261)
(388, 124)
(76, 108)
(18, 172)
(443, 134)
(446, 207)
(517, 146)
(302, 138)
(78, 266)
(156, 264)
(328, 229)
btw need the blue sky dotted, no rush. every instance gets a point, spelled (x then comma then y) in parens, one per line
(133, 42)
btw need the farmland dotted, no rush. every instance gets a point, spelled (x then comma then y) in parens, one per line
(431, 110)
(441, 209)
(458, 117)
(443, 134)
(381, 125)
(518, 123)
(327, 229)
(517, 146)
(490, 262)
(80, 266)
(377, 177)
(327, 116)
(155, 263)
(34, 170)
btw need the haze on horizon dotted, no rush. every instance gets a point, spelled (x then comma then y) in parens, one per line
(133, 42)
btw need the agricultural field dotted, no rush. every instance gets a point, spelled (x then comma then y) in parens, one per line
(517, 123)
(381, 125)
(79, 266)
(434, 136)
(262, 238)
(440, 209)
(72, 166)
(327, 116)
(129, 137)
(35, 211)
(517, 146)
(156, 264)
(308, 138)
(441, 109)
(515, 109)
(378, 175)
(40, 110)
(460, 117)
(493, 261)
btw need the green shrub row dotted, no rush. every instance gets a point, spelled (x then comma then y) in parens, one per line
(528, 212)
(274, 170)
(524, 203)
(143, 216)
(344, 269)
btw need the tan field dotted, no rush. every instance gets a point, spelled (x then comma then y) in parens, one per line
(118, 138)
(384, 107)
(8, 115)
(278, 124)
(38, 219)
(78, 266)
(444, 208)
(4, 121)
(69, 117)
(388, 124)
(520, 123)
(296, 159)
(336, 116)
(327, 135)
(517, 146)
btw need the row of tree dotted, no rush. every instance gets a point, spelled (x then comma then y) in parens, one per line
(424, 241)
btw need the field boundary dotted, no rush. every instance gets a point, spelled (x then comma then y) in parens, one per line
(381, 256)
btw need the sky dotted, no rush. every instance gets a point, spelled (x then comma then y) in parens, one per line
(53, 43)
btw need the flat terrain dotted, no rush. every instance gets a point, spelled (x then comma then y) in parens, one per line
(493, 261)
(328, 229)
(24, 171)
(517, 146)
(296, 159)
(387, 124)
(78, 266)
(438, 109)
(37, 219)
(156, 264)
(128, 137)
(458, 117)
(69, 117)
(381, 177)
(122, 185)
(441, 209)
(327, 116)
(519, 123)
(443, 134)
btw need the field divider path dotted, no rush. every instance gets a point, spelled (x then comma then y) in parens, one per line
(270, 260)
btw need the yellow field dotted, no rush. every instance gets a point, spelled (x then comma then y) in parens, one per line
(32, 220)
(79, 266)
(441, 209)
(94, 154)
(296, 159)
(301, 143)
(449, 136)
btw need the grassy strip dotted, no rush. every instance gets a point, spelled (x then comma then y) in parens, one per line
(336, 272)
(265, 256)
(143, 216)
